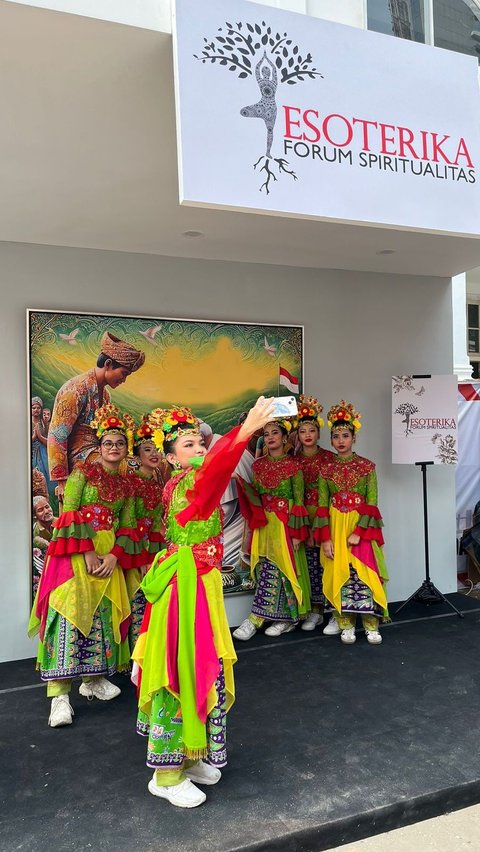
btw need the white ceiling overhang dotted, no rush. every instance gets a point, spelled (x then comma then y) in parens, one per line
(88, 159)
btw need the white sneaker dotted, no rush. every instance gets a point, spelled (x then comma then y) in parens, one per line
(279, 627)
(203, 773)
(332, 628)
(61, 712)
(348, 636)
(100, 688)
(312, 620)
(374, 637)
(245, 631)
(183, 795)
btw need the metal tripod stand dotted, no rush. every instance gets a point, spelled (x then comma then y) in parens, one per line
(427, 593)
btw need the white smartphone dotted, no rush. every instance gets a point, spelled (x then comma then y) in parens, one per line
(284, 406)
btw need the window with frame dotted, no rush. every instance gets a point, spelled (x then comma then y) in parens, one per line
(473, 330)
(401, 18)
(456, 25)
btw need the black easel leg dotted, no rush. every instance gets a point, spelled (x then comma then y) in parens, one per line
(427, 593)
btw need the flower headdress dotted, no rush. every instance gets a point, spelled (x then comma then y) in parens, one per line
(309, 408)
(168, 424)
(344, 411)
(284, 422)
(108, 419)
(140, 433)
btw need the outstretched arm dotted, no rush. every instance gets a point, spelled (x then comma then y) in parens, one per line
(220, 462)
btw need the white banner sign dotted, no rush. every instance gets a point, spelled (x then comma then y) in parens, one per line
(424, 419)
(282, 113)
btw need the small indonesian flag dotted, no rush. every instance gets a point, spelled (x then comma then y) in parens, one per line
(288, 381)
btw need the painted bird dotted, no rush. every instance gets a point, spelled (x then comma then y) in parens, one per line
(149, 334)
(70, 338)
(270, 349)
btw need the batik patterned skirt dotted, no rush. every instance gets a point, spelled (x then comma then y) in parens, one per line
(163, 728)
(357, 598)
(66, 653)
(315, 572)
(274, 598)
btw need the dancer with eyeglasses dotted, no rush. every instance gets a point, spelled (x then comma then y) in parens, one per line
(82, 608)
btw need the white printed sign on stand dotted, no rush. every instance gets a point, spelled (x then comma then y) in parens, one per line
(286, 114)
(424, 419)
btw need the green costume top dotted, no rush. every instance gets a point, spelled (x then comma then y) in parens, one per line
(149, 511)
(349, 484)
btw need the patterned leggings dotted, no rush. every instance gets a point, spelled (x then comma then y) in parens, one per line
(63, 687)
(345, 622)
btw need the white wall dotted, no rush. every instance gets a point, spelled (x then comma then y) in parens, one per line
(360, 329)
(461, 362)
(156, 14)
(147, 14)
(351, 12)
(473, 283)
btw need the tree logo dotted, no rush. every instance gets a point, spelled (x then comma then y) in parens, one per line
(407, 409)
(249, 49)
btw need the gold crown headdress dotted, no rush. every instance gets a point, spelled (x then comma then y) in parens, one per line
(284, 422)
(309, 408)
(168, 424)
(344, 411)
(142, 432)
(108, 419)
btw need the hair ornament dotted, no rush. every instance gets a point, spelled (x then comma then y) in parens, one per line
(108, 419)
(309, 409)
(346, 412)
(168, 424)
(284, 422)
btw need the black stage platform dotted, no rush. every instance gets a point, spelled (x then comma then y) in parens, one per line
(328, 744)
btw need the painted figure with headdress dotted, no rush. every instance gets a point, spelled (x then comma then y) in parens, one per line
(184, 657)
(274, 509)
(82, 609)
(348, 526)
(39, 440)
(70, 438)
(308, 424)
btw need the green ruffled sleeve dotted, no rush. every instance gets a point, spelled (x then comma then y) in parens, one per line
(250, 503)
(71, 534)
(370, 522)
(129, 547)
(298, 520)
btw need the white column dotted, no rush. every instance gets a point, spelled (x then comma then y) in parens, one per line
(461, 364)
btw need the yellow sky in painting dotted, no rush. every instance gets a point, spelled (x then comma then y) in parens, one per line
(218, 375)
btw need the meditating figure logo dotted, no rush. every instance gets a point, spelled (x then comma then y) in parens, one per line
(245, 48)
(266, 108)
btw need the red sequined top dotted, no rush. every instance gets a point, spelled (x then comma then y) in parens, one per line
(349, 485)
(312, 467)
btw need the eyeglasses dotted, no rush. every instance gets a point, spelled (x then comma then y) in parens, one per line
(109, 445)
